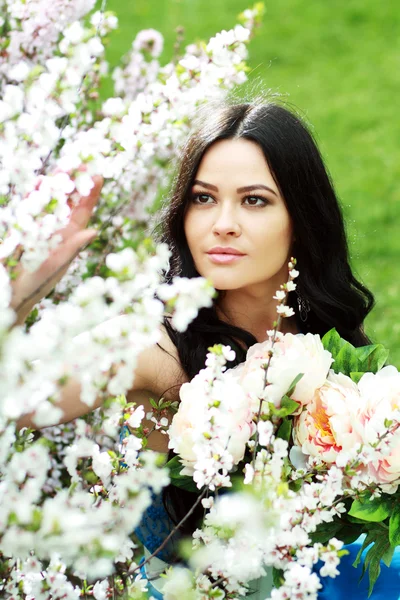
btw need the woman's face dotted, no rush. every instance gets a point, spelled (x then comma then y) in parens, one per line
(237, 226)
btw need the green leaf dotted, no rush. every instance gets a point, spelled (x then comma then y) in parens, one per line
(356, 376)
(372, 358)
(183, 482)
(373, 558)
(355, 519)
(153, 403)
(277, 577)
(387, 557)
(394, 526)
(348, 534)
(237, 483)
(370, 538)
(364, 352)
(346, 360)
(285, 429)
(288, 407)
(333, 342)
(380, 358)
(36, 520)
(338, 528)
(374, 569)
(294, 383)
(295, 486)
(326, 531)
(373, 511)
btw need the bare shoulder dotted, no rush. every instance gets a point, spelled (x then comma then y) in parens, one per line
(159, 369)
(158, 374)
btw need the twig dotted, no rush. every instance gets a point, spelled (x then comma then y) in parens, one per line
(220, 580)
(175, 529)
(282, 301)
(278, 324)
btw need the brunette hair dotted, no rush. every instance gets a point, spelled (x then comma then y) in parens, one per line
(336, 298)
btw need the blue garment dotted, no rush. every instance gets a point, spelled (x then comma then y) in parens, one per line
(152, 592)
(348, 584)
(155, 524)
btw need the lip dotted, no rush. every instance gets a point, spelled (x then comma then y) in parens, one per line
(225, 250)
(224, 255)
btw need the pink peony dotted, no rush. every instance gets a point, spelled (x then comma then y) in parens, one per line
(381, 402)
(328, 424)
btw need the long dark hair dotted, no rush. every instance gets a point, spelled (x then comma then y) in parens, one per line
(336, 298)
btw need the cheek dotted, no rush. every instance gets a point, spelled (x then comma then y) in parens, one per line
(195, 226)
(189, 228)
(277, 234)
(285, 232)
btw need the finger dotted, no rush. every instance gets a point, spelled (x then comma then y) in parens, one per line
(63, 254)
(81, 213)
(31, 287)
(77, 243)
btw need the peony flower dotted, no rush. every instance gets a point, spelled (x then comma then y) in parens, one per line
(381, 403)
(328, 424)
(229, 407)
(190, 418)
(293, 354)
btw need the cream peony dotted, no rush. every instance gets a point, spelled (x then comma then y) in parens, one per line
(293, 354)
(233, 417)
(190, 420)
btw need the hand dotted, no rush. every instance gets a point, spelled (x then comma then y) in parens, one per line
(30, 288)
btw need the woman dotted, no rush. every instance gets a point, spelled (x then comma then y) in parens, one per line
(251, 191)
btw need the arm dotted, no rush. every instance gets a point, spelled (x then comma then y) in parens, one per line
(158, 370)
(29, 288)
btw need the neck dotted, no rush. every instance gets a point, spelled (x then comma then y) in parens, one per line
(253, 313)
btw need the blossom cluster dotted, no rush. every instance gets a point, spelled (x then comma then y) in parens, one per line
(48, 128)
(71, 495)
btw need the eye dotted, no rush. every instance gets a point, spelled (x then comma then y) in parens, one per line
(257, 201)
(202, 198)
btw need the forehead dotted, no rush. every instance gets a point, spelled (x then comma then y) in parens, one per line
(238, 162)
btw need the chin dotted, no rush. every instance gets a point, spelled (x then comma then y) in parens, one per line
(221, 281)
(224, 286)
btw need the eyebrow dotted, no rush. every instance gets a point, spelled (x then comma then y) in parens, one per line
(247, 188)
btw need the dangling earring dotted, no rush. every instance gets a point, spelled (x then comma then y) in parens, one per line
(304, 307)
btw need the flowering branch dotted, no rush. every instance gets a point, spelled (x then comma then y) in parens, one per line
(283, 311)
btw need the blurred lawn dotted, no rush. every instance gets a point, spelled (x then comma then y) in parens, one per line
(339, 63)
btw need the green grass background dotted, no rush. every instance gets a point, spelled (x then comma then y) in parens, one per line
(338, 61)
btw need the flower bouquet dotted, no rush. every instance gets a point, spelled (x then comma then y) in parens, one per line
(305, 433)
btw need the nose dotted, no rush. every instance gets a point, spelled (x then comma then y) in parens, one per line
(226, 223)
